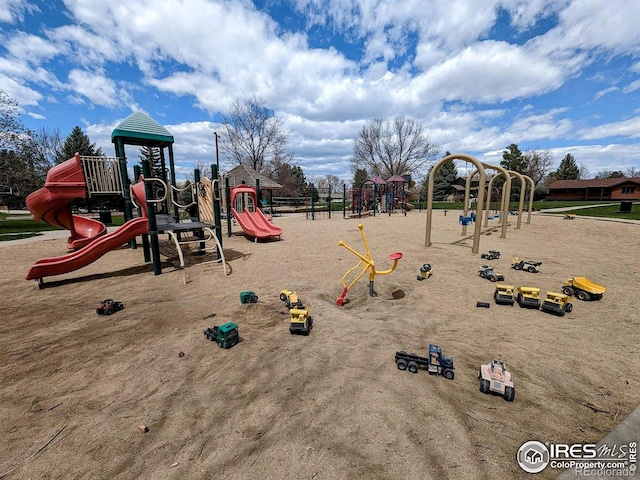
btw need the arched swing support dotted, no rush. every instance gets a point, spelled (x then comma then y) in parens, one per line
(506, 195)
(478, 224)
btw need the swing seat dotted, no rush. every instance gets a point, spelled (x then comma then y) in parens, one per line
(464, 220)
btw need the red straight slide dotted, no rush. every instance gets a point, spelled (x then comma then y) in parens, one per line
(256, 224)
(52, 203)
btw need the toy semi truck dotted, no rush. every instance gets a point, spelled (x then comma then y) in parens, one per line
(226, 336)
(435, 363)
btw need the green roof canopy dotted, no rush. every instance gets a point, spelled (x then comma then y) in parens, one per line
(140, 129)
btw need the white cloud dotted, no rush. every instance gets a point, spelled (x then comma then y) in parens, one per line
(626, 128)
(97, 88)
(632, 87)
(604, 92)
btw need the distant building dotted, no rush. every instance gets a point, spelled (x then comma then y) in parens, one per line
(614, 189)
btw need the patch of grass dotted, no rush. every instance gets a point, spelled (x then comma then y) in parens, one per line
(17, 236)
(610, 211)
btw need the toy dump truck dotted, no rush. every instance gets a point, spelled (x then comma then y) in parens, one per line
(226, 336)
(485, 271)
(526, 265)
(557, 303)
(494, 377)
(492, 255)
(301, 322)
(248, 297)
(583, 288)
(528, 297)
(290, 299)
(425, 271)
(435, 363)
(109, 307)
(504, 294)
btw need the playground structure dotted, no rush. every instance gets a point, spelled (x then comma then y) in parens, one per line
(367, 263)
(81, 177)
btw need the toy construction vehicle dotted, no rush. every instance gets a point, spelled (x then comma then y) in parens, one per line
(425, 271)
(485, 271)
(492, 255)
(248, 297)
(504, 294)
(494, 377)
(557, 303)
(301, 321)
(527, 265)
(528, 297)
(108, 307)
(583, 288)
(569, 216)
(290, 299)
(435, 363)
(226, 336)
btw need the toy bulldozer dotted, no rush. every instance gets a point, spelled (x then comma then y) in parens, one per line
(425, 271)
(492, 255)
(504, 294)
(583, 289)
(528, 297)
(557, 303)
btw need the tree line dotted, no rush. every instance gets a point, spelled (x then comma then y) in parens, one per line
(254, 135)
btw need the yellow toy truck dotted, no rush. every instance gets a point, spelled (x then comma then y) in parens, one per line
(504, 294)
(557, 303)
(290, 299)
(301, 322)
(583, 288)
(528, 297)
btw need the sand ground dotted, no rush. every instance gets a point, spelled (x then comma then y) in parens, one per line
(331, 405)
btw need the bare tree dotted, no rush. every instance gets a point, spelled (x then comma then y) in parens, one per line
(254, 136)
(393, 148)
(584, 172)
(47, 144)
(632, 172)
(538, 165)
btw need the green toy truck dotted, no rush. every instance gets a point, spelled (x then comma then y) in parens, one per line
(248, 297)
(226, 336)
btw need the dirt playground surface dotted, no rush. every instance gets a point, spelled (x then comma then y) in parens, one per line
(75, 386)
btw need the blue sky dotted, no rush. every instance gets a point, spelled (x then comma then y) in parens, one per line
(557, 75)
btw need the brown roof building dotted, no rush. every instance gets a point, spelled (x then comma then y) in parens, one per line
(615, 189)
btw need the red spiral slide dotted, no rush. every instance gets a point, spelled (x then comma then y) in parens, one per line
(52, 203)
(96, 247)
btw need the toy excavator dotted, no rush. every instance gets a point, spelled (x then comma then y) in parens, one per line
(367, 263)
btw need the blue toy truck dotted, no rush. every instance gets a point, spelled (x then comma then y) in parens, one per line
(435, 363)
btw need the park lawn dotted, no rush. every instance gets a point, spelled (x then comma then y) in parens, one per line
(21, 227)
(609, 211)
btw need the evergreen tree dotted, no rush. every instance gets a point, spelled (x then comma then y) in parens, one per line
(445, 177)
(79, 142)
(359, 177)
(514, 160)
(153, 155)
(568, 169)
